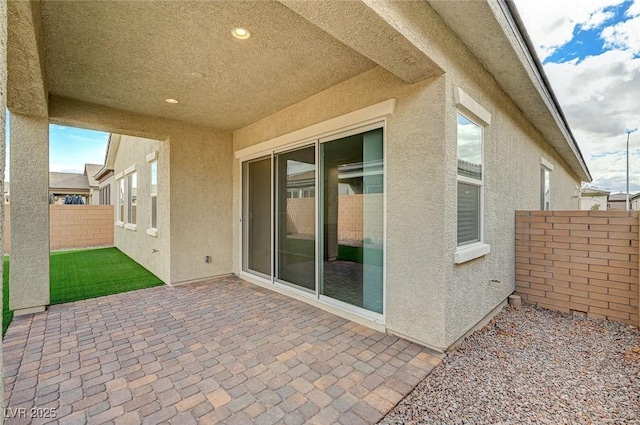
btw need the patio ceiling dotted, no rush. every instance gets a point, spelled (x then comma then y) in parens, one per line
(131, 56)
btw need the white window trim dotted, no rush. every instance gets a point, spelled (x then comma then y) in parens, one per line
(151, 158)
(127, 172)
(474, 112)
(119, 223)
(546, 164)
(130, 226)
(352, 120)
(119, 220)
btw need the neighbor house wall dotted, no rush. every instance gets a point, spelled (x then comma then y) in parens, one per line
(152, 252)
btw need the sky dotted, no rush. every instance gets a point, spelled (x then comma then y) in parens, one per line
(69, 149)
(590, 50)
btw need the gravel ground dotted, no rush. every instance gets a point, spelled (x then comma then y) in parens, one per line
(533, 366)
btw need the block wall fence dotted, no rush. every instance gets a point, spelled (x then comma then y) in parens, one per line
(579, 261)
(72, 226)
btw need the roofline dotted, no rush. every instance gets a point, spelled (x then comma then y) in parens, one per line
(511, 10)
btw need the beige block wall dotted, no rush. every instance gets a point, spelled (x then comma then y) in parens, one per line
(579, 261)
(72, 226)
(429, 298)
(80, 226)
(152, 252)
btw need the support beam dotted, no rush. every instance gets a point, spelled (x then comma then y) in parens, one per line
(29, 272)
(26, 67)
(366, 30)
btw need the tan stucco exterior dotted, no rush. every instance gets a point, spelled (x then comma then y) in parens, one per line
(429, 57)
(152, 252)
(29, 273)
(428, 297)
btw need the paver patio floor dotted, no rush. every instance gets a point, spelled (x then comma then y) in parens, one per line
(219, 351)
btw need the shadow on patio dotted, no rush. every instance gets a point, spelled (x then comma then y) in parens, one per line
(220, 350)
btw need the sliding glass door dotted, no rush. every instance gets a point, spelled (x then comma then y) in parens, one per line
(330, 243)
(257, 216)
(352, 219)
(296, 218)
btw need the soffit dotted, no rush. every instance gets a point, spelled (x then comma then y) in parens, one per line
(133, 55)
(491, 34)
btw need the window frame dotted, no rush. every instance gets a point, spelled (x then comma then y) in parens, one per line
(546, 169)
(153, 230)
(472, 182)
(472, 111)
(129, 175)
(120, 201)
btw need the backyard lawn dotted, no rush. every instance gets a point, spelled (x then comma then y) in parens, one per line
(84, 274)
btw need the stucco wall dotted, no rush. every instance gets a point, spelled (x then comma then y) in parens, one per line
(152, 252)
(200, 175)
(200, 205)
(414, 150)
(429, 298)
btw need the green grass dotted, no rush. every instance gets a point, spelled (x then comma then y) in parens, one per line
(84, 274)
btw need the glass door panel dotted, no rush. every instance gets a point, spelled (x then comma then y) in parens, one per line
(257, 216)
(296, 213)
(352, 219)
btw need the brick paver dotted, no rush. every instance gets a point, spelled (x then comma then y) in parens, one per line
(219, 351)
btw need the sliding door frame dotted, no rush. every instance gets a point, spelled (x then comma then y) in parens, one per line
(319, 205)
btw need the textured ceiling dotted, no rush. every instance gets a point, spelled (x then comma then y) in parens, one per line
(133, 55)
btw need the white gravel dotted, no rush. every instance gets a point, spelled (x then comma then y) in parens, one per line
(533, 366)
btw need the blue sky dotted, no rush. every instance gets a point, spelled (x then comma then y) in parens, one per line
(590, 50)
(70, 148)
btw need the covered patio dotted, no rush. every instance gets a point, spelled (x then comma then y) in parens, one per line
(218, 350)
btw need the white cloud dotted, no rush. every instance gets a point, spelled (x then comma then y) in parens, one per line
(597, 19)
(599, 97)
(623, 35)
(550, 23)
(634, 9)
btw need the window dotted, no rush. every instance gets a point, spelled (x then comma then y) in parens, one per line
(470, 181)
(120, 199)
(105, 195)
(545, 184)
(132, 202)
(154, 194)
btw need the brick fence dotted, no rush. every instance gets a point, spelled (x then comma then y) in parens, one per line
(579, 261)
(72, 226)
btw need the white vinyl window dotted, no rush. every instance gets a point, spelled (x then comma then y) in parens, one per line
(546, 168)
(153, 167)
(120, 201)
(470, 181)
(132, 198)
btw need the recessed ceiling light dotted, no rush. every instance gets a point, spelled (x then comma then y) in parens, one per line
(241, 33)
(172, 100)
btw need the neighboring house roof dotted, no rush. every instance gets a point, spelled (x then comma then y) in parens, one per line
(90, 170)
(620, 197)
(593, 191)
(109, 157)
(68, 181)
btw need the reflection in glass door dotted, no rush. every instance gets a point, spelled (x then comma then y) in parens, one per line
(257, 216)
(352, 219)
(296, 218)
